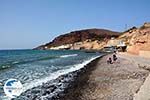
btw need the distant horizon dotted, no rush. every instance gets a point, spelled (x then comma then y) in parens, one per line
(66, 33)
(56, 36)
(30, 23)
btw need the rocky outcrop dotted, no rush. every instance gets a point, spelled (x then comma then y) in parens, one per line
(82, 39)
(137, 39)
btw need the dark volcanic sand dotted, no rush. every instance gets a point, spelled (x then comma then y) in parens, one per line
(74, 92)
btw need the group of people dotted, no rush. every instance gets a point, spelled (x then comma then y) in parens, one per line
(112, 60)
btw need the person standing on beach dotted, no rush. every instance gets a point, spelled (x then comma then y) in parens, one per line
(114, 57)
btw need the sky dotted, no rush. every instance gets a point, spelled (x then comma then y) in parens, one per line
(25, 24)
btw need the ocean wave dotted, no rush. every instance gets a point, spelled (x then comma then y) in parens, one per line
(4, 67)
(17, 62)
(71, 55)
(47, 58)
(10, 64)
(55, 75)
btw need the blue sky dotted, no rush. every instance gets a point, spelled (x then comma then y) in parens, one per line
(29, 23)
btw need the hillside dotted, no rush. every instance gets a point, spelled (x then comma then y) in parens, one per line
(81, 39)
(137, 40)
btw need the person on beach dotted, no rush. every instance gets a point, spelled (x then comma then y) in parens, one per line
(115, 52)
(114, 57)
(109, 60)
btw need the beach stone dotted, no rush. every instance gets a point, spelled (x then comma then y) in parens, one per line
(36, 91)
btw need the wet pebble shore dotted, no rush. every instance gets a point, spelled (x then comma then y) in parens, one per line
(65, 87)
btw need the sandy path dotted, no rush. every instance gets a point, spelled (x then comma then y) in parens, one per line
(118, 81)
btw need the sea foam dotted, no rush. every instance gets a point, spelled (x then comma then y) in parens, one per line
(55, 75)
(71, 55)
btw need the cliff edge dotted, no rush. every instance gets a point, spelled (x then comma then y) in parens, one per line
(138, 40)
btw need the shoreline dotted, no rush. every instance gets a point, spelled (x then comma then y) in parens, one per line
(73, 92)
(59, 88)
(96, 81)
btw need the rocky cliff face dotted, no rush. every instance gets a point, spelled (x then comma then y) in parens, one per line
(82, 39)
(137, 39)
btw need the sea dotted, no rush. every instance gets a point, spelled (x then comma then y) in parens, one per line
(33, 68)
